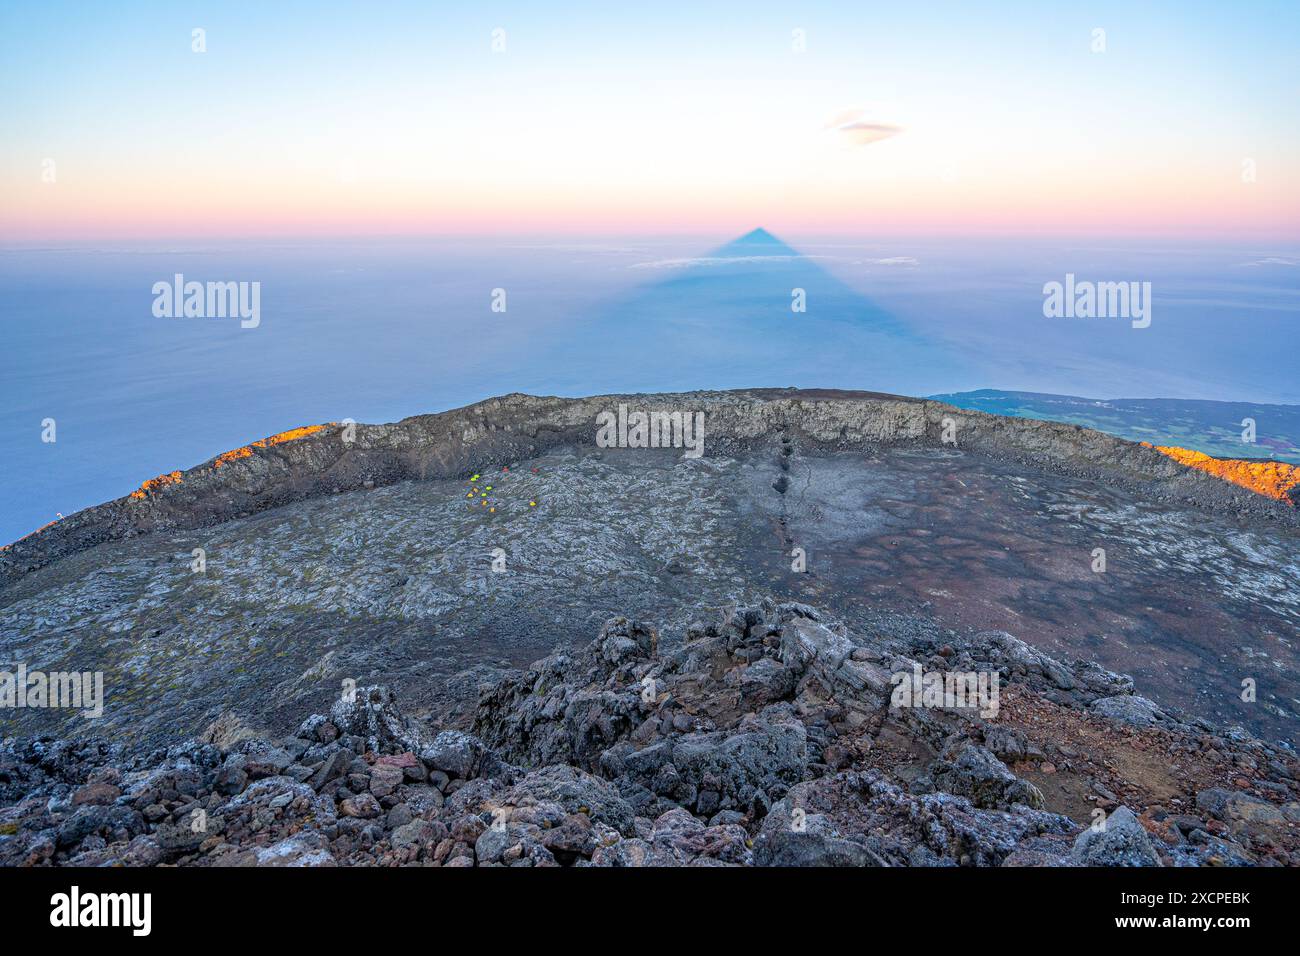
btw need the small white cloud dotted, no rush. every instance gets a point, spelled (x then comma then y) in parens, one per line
(853, 128)
(1273, 261)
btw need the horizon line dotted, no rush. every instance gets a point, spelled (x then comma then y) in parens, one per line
(1181, 237)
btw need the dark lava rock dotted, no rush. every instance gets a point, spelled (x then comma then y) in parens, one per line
(763, 737)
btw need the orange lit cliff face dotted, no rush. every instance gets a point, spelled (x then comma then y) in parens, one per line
(153, 484)
(293, 434)
(1273, 479)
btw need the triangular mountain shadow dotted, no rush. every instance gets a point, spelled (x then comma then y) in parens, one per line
(756, 274)
(757, 239)
(726, 319)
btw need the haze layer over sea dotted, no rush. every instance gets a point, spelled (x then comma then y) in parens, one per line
(378, 330)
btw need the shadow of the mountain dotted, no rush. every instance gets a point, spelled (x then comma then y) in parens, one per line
(756, 309)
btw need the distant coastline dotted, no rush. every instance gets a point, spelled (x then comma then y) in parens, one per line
(1213, 428)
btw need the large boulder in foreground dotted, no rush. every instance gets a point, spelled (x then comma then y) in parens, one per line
(1121, 840)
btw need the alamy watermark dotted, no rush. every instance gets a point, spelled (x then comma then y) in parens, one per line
(656, 429)
(964, 690)
(1098, 300)
(65, 690)
(208, 300)
(75, 908)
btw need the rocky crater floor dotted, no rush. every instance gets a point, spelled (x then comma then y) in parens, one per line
(771, 736)
(396, 584)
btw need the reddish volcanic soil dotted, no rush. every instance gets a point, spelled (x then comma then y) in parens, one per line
(1189, 604)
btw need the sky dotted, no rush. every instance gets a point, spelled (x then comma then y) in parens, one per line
(373, 119)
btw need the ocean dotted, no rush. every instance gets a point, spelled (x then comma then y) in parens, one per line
(381, 329)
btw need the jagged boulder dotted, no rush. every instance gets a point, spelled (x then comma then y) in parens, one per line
(754, 766)
(372, 714)
(808, 840)
(897, 828)
(975, 773)
(307, 849)
(455, 753)
(1128, 709)
(568, 709)
(622, 641)
(807, 644)
(573, 791)
(1121, 841)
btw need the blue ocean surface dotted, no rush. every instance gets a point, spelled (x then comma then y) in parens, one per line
(377, 330)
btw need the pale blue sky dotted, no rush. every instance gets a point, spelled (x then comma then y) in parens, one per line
(399, 117)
